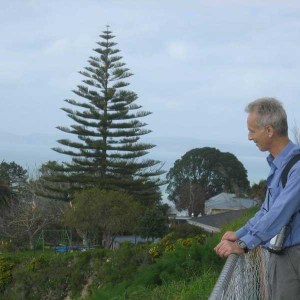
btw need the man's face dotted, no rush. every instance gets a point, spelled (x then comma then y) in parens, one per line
(259, 135)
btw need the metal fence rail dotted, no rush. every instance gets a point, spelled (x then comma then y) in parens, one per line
(244, 277)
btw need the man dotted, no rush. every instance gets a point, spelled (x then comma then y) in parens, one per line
(268, 129)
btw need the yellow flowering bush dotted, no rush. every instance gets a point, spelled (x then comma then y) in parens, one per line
(168, 244)
(155, 251)
(185, 242)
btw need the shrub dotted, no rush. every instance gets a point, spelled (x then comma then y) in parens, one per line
(186, 230)
(182, 262)
(168, 243)
(122, 264)
(51, 275)
(5, 273)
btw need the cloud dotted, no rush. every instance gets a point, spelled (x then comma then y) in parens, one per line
(178, 50)
(196, 66)
(11, 71)
(58, 46)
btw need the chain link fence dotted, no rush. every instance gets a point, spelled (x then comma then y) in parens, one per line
(244, 277)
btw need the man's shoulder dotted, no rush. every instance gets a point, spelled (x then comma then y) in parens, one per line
(289, 153)
(293, 163)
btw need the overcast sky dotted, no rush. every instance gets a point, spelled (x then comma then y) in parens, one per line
(196, 65)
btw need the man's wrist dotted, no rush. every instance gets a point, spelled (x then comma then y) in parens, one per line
(242, 245)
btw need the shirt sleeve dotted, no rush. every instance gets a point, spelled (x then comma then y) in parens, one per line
(245, 229)
(261, 228)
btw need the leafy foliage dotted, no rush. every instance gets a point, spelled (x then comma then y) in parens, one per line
(5, 273)
(13, 181)
(122, 264)
(202, 173)
(187, 230)
(153, 224)
(169, 242)
(107, 212)
(50, 275)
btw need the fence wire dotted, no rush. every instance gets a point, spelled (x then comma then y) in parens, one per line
(244, 277)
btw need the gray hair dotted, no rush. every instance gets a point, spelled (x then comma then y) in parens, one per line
(270, 111)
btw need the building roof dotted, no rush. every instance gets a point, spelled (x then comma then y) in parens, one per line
(228, 201)
(213, 223)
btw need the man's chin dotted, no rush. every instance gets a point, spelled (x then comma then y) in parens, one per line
(261, 149)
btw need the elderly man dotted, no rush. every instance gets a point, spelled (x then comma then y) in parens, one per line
(276, 226)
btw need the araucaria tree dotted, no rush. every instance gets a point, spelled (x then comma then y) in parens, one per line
(106, 150)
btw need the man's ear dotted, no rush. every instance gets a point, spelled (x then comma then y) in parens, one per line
(270, 131)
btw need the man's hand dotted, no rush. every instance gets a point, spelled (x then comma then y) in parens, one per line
(230, 236)
(226, 247)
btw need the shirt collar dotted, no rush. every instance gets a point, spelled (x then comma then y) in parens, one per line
(281, 157)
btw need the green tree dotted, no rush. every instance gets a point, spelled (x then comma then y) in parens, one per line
(107, 212)
(202, 173)
(153, 224)
(13, 178)
(106, 150)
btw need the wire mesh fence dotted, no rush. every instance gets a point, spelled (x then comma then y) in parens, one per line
(244, 277)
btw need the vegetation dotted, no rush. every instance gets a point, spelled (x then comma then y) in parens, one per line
(106, 150)
(47, 275)
(185, 268)
(153, 224)
(109, 164)
(109, 213)
(23, 215)
(202, 173)
(13, 181)
(23, 220)
(14, 177)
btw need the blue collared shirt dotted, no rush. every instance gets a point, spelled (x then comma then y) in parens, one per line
(280, 205)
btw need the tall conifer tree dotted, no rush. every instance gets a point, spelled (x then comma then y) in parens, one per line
(106, 150)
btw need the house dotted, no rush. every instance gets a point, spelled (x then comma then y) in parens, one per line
(221, 210)
(227, 202)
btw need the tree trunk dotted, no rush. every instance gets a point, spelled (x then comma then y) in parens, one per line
(31, 244)
(106, 240)
(84, 235)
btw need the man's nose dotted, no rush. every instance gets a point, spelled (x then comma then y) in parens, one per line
(250, 138)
